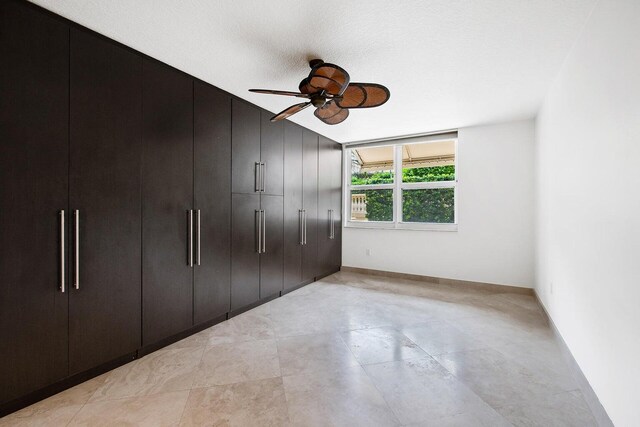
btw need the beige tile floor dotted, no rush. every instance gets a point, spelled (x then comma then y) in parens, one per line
(348, 350)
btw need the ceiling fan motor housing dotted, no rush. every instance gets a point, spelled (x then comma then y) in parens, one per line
(318, 100)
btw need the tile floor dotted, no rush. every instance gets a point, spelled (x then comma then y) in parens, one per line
(348, 350)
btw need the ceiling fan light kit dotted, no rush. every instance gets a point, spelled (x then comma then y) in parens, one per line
(328, 88)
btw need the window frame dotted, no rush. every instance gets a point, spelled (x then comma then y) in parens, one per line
(398, 187)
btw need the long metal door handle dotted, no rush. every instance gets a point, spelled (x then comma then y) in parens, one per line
(62, 266)
(76, 283)
(333, 226)
(257, 171)
(198, 237)
(190, 248)
(304, 228)
(263, 176)
(264, 232)
(258, 231)
(330, 223)
(300, 230)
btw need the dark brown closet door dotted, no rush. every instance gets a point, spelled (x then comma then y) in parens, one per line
(335, 163)
(310, 202)
(167, 193)
(292, 205)
(272, 154)
(245, 142)
(245, 260)
(329, 206)
(106, 143)
(34, 135)
(272, 258)
(212, 193)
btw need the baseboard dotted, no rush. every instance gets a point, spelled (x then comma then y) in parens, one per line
(150, 348)
(491, 287)
(293, 288)
(237, 311)
(598, 411)
(68, 382)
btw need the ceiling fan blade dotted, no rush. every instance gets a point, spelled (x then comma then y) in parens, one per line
(290, 111)
(279, 92)
(328, 77)
(305, 87)
(331, 114)
(364, 95)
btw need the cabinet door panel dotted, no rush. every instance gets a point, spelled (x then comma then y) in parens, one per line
(245, 260)
(329, 206)
(324, 206)
(271, 261)
(34, 152)
(292, 205)
(212, 192)
(310, 202)
(245, 143)
(336, 203)
(167, 113)
(106, 125)
(272, 153)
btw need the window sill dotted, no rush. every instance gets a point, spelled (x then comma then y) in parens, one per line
(402, 226)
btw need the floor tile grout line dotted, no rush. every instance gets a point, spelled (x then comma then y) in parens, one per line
(391, 411)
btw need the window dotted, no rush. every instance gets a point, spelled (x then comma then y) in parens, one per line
(408, 185)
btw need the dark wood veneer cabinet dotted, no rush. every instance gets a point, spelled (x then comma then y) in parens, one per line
(272, 256)
(293, 207)
(329, 206)
(258, 149)
(34, 185)
(257, 259)
(212, 201)
(138, 204)
(104, 194)
(245, 165)
(310, 205)
(245, 256)
(167, 192)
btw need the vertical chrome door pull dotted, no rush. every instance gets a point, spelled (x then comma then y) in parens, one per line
(198, 237)
(190, 249)
(264, 232)
(76, 283)
(331, 232)
(263, 173)
(258, 180)
(301, 231)
(62, 236)
(304, 226)
(258, 232)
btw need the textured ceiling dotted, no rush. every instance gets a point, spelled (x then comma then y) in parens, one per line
(448, 63)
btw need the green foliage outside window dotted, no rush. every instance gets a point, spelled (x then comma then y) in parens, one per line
(424, 205)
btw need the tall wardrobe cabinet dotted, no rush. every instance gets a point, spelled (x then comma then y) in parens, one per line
(186, 202)
(138, 204)
(257, 205)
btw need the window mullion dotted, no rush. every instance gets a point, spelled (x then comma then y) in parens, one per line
(397, 192)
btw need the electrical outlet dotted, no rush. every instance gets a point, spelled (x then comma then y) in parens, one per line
(368, 252)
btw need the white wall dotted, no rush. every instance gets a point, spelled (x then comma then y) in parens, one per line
(494, 241)
(588, 203)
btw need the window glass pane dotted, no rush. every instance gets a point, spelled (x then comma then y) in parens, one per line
(429, 161)
(428, 205)
(373, 165)
(372, 205)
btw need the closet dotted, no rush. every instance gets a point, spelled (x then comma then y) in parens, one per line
(139, 205)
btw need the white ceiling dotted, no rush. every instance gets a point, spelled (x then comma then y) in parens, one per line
(447, 63)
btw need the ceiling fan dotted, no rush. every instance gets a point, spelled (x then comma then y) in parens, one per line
(329, 90)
